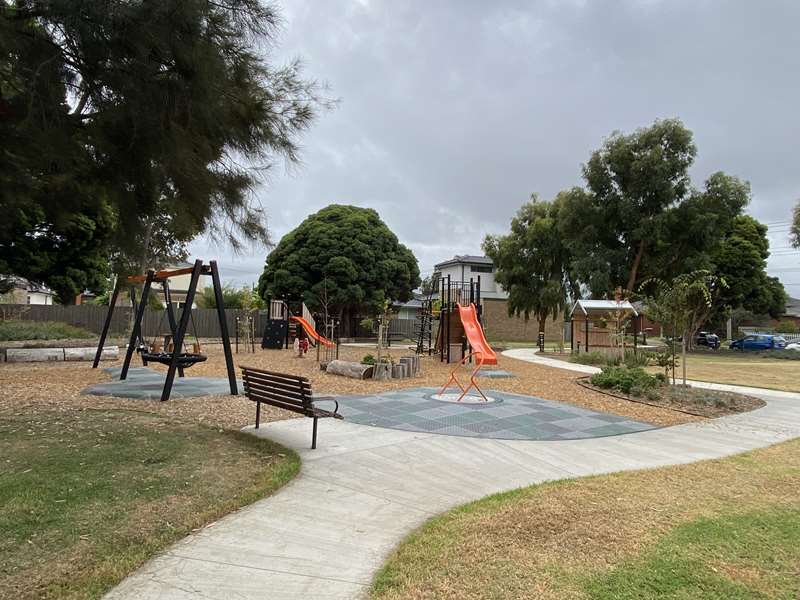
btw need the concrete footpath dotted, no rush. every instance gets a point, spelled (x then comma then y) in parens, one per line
(325, 534)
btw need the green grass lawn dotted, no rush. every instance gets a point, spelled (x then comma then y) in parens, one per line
(11, 331)
(719, 530)
(86, 496)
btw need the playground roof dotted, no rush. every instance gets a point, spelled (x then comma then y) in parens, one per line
(602, 307)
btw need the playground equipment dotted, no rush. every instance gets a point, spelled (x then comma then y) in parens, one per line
(480, 350)
(283, 324)
(245, 331)
(451, 342)
(173, 354)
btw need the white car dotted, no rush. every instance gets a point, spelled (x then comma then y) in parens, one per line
(793, 346)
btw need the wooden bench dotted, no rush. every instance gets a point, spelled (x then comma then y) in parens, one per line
(289, 392)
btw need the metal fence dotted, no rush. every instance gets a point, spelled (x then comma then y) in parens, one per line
(789, 337)
(154, 323)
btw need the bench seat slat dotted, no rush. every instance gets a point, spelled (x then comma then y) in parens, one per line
(262, 372)
(267, 396)
(293, 383)
(299, 395)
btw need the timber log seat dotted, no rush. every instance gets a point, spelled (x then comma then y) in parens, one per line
(289, 392)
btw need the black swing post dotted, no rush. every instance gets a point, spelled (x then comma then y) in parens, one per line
(177, 344)
(137, 324)
(107, 323)
(173, 326)
(223, 327)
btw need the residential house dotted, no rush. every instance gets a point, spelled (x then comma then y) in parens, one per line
(497, 323)
(27, 292)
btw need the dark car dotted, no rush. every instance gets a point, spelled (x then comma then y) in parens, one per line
(759, 341)
(711, 340)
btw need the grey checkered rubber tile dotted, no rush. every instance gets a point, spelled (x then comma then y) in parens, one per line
(511, 416)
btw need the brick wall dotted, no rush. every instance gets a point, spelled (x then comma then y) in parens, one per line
(500, 327)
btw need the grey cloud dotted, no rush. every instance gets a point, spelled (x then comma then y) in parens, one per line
(452, 113)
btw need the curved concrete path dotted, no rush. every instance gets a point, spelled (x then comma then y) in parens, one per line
(325, 534)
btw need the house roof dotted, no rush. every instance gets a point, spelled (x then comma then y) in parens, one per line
(21, 283)
(465, 259)
(792, 307)
(596, 307)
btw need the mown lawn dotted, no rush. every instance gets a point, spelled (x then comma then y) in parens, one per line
(86, 496)
(743, 369)
(725, 529)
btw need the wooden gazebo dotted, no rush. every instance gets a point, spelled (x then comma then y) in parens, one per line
(594, 324)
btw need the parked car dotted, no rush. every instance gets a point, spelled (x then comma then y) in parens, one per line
(759, 341)
(793, 346)
(711, 340)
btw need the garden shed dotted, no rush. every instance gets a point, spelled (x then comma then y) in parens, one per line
(601, 324)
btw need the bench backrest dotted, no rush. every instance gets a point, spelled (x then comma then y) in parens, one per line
(291, 392)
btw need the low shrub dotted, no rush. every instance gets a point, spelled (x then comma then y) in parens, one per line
(589, 358)
(597, 358)
(634, 381)
(368, 360)
(12, 331)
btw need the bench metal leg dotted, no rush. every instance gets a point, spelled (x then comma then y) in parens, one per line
(258, 413)
(314, 435)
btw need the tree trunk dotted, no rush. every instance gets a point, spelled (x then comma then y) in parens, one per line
(353, 370)
(683, 359)
(635, 268)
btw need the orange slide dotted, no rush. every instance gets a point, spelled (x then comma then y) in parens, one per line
(480, 350)
(313, 334)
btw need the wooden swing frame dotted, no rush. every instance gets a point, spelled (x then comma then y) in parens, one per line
(177, 359)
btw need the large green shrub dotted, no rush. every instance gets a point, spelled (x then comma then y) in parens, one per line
(634, 381)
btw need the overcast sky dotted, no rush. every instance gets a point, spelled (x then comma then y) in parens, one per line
(452, 113)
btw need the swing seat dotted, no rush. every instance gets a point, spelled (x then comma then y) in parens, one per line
(185, 359)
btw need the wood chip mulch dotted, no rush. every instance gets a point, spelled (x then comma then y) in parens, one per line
(33, 387)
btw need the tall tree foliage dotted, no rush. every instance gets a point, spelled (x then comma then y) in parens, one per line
(345, 254)
(56, 221)
(532, 263)
(167, 109)
(640, 218)
(631, 181)
(794, 228)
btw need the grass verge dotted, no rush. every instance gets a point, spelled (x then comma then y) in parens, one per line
(11, 331)
(720, 529)
(86, 496)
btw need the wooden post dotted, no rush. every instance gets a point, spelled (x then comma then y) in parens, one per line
(107, 322)
(586, 333)
(223, 327)
(137, 323)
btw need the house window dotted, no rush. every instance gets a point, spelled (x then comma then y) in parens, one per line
(29, 299)
(481, 269)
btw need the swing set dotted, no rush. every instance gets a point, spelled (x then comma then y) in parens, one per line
(171, 354)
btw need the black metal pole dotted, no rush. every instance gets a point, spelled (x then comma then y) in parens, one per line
(137, 323)
(223, 327)
(107, 323)
(449, 316)
(177, 344)
(171, 318)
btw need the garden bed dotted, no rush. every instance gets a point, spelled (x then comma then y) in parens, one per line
(636, 385)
